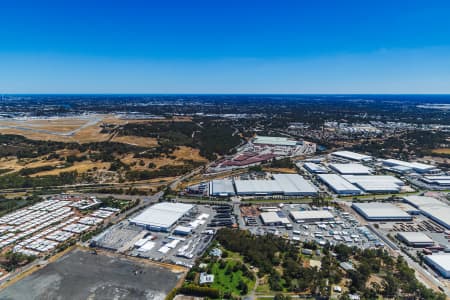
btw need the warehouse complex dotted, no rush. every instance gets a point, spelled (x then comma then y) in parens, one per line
(415, 239)
(280, 184)
(432, 208)
(440, 262)
(162, 216)
(377, 211)
(339, 185)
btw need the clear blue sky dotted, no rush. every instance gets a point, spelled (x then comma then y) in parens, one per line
(213, 46)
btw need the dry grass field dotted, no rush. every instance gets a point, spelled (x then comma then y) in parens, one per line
(80, 167)
(136, 141)
(442, 151)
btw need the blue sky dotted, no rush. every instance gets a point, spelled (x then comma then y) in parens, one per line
(224, 46)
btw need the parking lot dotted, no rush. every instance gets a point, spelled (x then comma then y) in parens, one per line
(344, 228)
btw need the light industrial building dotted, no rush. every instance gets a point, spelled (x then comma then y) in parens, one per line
(162, 216)
(437, 180)
(376, 183)
(440, 262)
(281, 184)
(310, 215)
(221, 188)
(274, 218)
(417, 167)
(377, 211)
(351, 155)
(432, 208)
(315, 168)
(339, 185)
(351, 169)
(415, 239)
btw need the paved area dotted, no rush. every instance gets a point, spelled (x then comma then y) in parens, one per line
(82, 275)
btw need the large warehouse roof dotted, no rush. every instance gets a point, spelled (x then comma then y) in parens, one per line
(273, 217)
(221, 187)
(162, 215)
(339, 184)
(351, 155)
(419, 167)
(440, 214)
(311, 215)
(351, 169)
(257, 187)
(294, 183)
(274, 140)
(422, 201)
(375, 183)
(415, 238)
(287, 184)
(380, 211)
(441, 261)
(432, 208)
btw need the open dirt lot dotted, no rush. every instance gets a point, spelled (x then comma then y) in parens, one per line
(82, 275)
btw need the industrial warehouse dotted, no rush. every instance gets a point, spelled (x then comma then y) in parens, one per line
(440, 262)
(415, 239)
(306, 216)
(339, 185)
(357, 184)
(377, 211)
(351, 169)
(280, 184)
(432, 208)
(409, 167)
(162, 216)
(351, 156)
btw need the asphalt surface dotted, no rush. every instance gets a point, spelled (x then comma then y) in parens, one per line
(80, 275)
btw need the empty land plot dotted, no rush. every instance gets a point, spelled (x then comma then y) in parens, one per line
(82, 275)
(136, 141)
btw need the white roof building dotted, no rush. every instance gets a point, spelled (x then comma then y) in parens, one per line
(415, 239)
(273, 218)
(311, 215)
(440, 262)
(352, 168)
(351, 155)
(432, 208)
(418, 167)
(162, 216)
(439, 180)
(376, 183)
(221, 187)
(275, 140)
(339, 185)
(314, 168)
(377, 211)
(282, 184)
(422, 201)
